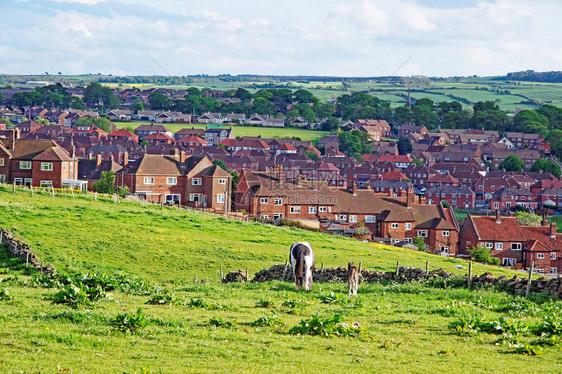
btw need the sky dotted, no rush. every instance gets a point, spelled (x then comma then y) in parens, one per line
(280, 37)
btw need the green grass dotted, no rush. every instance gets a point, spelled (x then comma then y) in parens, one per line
(215, 327)
(265, 132)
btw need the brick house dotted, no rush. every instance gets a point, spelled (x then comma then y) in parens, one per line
(193, 181)
(408, 129)
(124, 135)
(214, 136)
(515, 245)
(522, 140)
(144, 130)
(159, 139)
(37, 163)
(457, 196)
(27, 127)
(507, 198)
(191, 143)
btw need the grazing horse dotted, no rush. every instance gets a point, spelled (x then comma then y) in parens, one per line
(302, 262)
(352, 279)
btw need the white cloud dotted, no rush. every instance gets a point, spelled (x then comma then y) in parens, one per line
(88, 2)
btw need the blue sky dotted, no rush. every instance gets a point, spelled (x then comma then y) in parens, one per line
(288, 37)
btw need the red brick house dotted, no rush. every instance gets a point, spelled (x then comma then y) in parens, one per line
(27, 127)
(515, 245)
(159, 139)
(508, 198)
(457, 196)
(123, 135)
(191, 143)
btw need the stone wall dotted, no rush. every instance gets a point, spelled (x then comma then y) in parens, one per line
(19, 248)
(516, 285)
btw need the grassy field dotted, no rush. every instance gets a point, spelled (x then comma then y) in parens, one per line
(209, 327)
(265, 132)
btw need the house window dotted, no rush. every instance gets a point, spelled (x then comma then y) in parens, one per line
(1, 162)
(46, 184)
(222, 181)
(445, 249)
(370, 219)
(342, 217)
(63, 166)
(195, 197)
(423, 234)
(196, 182)
(264, 200)
(18, 181)
(446, 233)
(408, 240)
(515, 246)
(25, 165)
(352, 218)
(295, 209)
(322, 209)
(148, 180)
(277, 216)
(553, 256)
(2, 178)
(540, 256)
(490, 245)
(277, 202)
(394, 225)
(172, 180)
(220, 198)
(173, 199)
(496, 205)
(499, 246)
(407, 226)
(394, 241)
(46, 166)
(312, 210)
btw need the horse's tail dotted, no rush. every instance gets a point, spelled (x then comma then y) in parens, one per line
(299, 266)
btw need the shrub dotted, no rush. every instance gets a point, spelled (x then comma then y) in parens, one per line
(219, 322)
(484, 256)
(128, 322)
(163, 299)
(332, 298)
(525, 348)
(465, 324)
(78, 295)
(197, 303)
(329, 326)
(550, 325)
(4, 294)
(265, 303)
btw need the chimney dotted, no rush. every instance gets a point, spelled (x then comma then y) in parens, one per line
(354, 189)
(498, 220)
(390, 192)
(544, 222)
(410, 197)
(98, 160)
(182, 156)
(299, 179)
(125, 159)
(13, 135)
(111, 157)
(553, 229)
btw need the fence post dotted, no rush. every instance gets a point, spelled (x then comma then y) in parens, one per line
(469, 274)
(529, 279)
(31, 190)
(285, 269)
(53, 190)
(27, 260)
(221, 273)
(427, 269)
(195, 280)
(14, 187)
(96, 196)
(246, 273)
(397, 268)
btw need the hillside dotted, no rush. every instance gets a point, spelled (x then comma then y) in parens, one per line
(83, 235)
(120, 324)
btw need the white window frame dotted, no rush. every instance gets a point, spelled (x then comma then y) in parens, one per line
(540, 256)
(148, 180)
(499, 246)
(2, 178)
(322, 209)
(394, 225)
(408, 226)
(370, 219)
(46, 166)
(423, 234)
(222, 181)
(342, 217)
(173, 195)
(490, 245)
(516, 246)
(171, 181)
(1, 161)
(264, 200)
(277, 216)
(220, 198)
(278, 201)
(445, 248)
(311, 210)
(25, 165)
(446, 233)
(197, 181)
(295, 210)
(553, 255)
(18, 181)
(46, 184)
(352, 218)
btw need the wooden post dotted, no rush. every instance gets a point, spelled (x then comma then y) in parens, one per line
(529, 279)
(469, 274)
(359, 268)
(27, 260)
(246, 273)
(195, 280)
(41, 266)
(285, 270)
(322, 269)
(427, 269)
(397, 268)
(31, 187)
(221, 273)
(14, 187)
(53, 190)
(95, 196)
(161, 205)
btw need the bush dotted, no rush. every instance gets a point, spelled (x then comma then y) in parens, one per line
(484, 256)
(268, 320)
(265, 303)
(329, 326)
(127, 322)
(78, 295)
(219, 322)
(163, 299)
(550, 325)
(4, 295)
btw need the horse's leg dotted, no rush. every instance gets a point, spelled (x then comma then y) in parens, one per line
(355, 283)
(348, 287)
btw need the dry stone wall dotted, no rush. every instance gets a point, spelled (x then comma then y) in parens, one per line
(19, 248)
(516, 285)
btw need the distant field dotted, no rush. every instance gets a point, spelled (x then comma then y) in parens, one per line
(266, 132)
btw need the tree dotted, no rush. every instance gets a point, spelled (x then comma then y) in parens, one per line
(243, 94)
(528, 219)
(304, 96)
(404, 146)
(355, 143)
(331, 124)
(106, 184)
(97, 95)
(485, 106)
(158, 101)
(264, 106)
(553, 114)
(512, 163)
(547, 166)
(312, 155)
(77, 103)
(493, 120)
(555, 140)
(402, 115)
(420, 243)
(484, 256)
(324, 110)
(530, 121)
